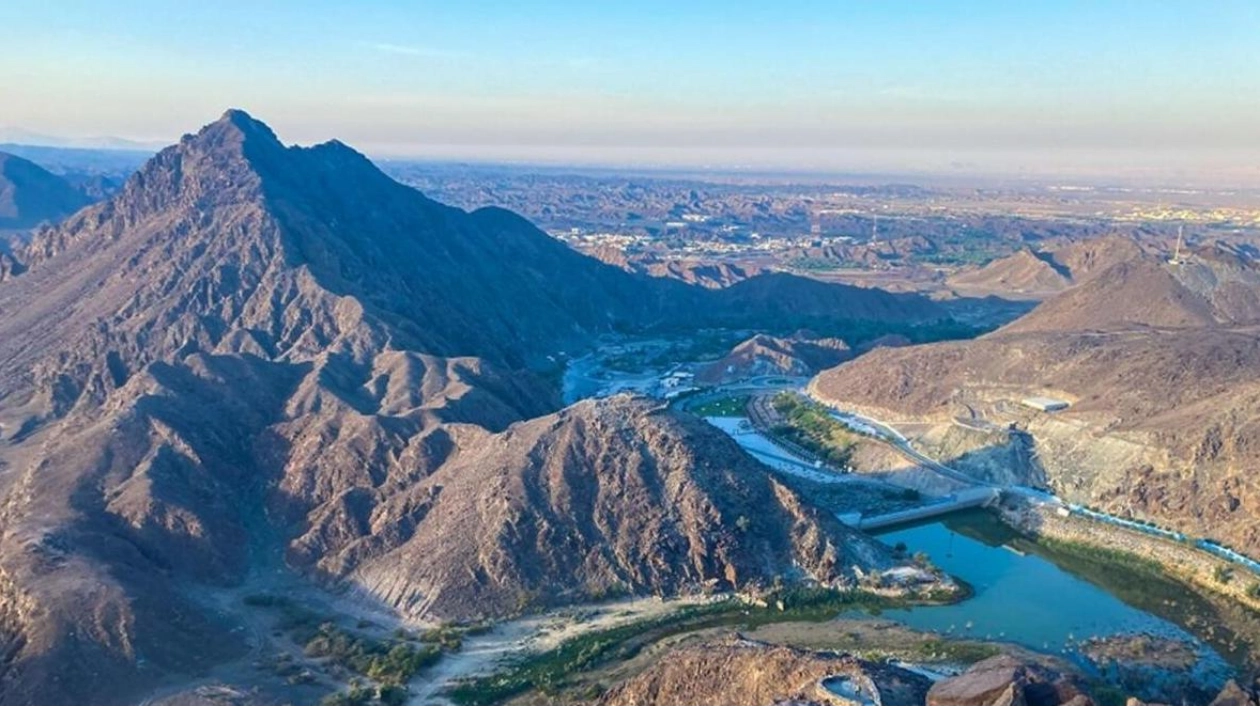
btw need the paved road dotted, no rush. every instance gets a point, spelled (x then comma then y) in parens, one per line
(889, 435)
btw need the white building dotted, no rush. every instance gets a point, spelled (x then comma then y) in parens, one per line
(1045, 404)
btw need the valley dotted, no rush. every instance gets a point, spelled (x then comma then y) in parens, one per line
(309, 450)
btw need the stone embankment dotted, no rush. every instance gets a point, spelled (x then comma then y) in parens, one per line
(1179, 559)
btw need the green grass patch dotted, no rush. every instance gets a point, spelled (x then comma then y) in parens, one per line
(811, 427)
(729, 406)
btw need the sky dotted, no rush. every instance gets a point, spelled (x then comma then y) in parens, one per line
(1170, 89)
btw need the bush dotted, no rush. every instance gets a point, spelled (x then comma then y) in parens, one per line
(1253, 590)
(383, 661)
(1222, 574)
(354, 695)
(392, 694)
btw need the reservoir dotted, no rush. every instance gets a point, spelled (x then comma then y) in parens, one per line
(1052, 600)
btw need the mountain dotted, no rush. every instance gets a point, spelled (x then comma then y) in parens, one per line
(29, 194)
(605, 497)
(714, 274)
(1215, 285)
(799, 355)
(257, 359)
(1024, 272)
(1160, 363)
(20, 136)
(1038, 274)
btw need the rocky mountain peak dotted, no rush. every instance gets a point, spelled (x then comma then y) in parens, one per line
(234, 128)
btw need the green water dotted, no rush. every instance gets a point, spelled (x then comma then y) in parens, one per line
(1051, 599)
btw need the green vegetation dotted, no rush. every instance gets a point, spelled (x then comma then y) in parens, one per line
(730, 406)
(1253, 590)
(711, 343)
(1223, 574)
(356, 694)
(965, 652)
(294, 618)
(360, 694)
(1101, 556)
(386, 661)
(809, 426)
(392, 694)
(550, 671)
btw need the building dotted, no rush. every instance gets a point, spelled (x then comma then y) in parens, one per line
(1045, 404)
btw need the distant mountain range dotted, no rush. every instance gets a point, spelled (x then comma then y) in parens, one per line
(256, 358)
(21, 136)
(30, 194)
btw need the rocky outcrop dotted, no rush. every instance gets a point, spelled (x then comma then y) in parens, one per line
(1235, 694)
(799, 355)
(605, 497)
(741, 672)
(1025, 273)
(1006, 680)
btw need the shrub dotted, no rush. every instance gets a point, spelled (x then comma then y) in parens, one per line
(1222, 574)
(392, 694)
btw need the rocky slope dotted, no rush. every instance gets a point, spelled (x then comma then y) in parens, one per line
(1160, 363)
(692, 272)
(1214, 287)
(255, 351)
(1024, 272)
(1006, 680)
(29, 194)
(1038, 274)
(604, 497)
(741, 672)
(800, 355)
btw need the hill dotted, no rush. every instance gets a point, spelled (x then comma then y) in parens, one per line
(1214, 286)
(799, 355)
(30, 194)
(739, 671)
(1161, 365)
(1037, 274)
(603, 498)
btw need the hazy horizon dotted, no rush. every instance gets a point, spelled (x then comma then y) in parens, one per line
(1109, 90)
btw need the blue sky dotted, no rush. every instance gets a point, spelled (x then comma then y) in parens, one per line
(1073, 86)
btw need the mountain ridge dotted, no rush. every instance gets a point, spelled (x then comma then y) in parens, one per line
(30, 194)
(254, 352)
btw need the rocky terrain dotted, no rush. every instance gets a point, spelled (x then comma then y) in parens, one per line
(1025, 272)
(255, 352)
(1047, 270)
(1159, 362)
(693, 272)
(30, 195)
(738, 671)
(1007, 680)
(604, 498)
(802, 354)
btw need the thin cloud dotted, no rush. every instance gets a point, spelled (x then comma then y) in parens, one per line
(413, 50)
